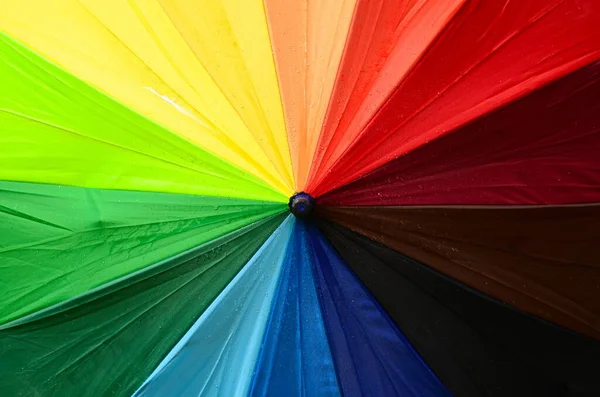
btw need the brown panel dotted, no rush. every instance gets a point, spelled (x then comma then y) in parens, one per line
(543, 260)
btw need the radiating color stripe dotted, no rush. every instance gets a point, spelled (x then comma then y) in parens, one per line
(295, 359)
(107, 342)
(541, 259)
(476, 345)
(203, 69)
(541, 149)
(59, 241)
(55, 128)
(386, 39)
(372, 357)
(490, 54)
(218, 355)
(308, 38)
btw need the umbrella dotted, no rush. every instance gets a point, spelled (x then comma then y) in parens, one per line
(300, 198)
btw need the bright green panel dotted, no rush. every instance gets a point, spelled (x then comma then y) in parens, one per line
(108, 342)
(54, 128)
(60, 241)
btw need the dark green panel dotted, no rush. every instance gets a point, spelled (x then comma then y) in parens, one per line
(107, 342)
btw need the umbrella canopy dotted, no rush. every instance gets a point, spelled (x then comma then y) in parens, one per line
(300, 198)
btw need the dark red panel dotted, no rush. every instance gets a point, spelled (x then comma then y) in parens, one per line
(491, 53)
(543, 260)
(542, 149)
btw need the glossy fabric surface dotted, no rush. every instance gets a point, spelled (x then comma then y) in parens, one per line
(58, 129)
(543, 260)
(299, 198)
(541, 149)
(308, 39)
(217, 356)
(295, 358)
(121, 332)
(488, 54)
(372, 357)
(202, 69)
(477, 345)
(386, 39)
(62, 241)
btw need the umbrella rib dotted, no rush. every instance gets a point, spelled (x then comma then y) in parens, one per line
(234, 107)
(115, 145)
(162, 81)
(440, 93)
(222, 135)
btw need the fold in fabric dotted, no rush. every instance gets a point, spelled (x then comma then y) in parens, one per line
(231, 40)
(61, 241)
(542, 260)
(489, 54)
(475, 344)
(541, 149)
(58, 129)
(295, 359)
(386, 39)
(307, 38)
(108, 341)
(371, 356)
(201, 68)
(217, 356)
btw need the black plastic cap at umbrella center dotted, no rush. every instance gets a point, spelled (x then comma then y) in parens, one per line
(301, 204)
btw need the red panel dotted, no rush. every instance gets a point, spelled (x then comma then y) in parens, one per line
(491, 53)
(542, 149)
(386, 39)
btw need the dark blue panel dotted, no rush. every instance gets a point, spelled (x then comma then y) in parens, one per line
(295, 359)
(371, 356)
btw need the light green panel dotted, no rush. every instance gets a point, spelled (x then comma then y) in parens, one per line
(54, 128)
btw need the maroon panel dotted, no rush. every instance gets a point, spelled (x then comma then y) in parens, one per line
(490, 54)
(542, 149)
(542, 259)
(386, 38)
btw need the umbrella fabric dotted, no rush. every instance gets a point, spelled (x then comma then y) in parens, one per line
(543, 260)
(109, 340)
(208, 81)
(67, 132)
(308, 40)
(537, 150)
(372, 357)
(295, 358)
(299, 198)
(477, 345)
(61, 241)
(228, 335)
(488, 54)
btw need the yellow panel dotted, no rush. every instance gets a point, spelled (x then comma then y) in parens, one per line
(231, 39)
(204, 69)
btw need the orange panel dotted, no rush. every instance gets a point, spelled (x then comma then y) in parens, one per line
(308, 39)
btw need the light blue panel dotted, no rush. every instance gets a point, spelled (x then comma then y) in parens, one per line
(218, 355)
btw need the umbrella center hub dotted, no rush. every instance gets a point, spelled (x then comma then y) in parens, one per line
(301, 204)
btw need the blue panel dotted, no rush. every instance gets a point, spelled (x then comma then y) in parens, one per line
(295, 359)
(218, 355)
(371, 356)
